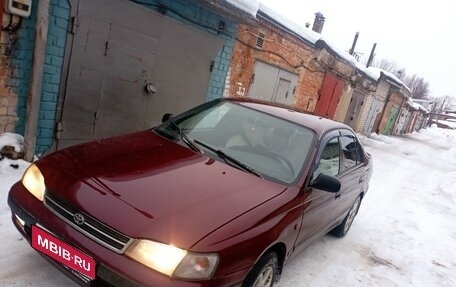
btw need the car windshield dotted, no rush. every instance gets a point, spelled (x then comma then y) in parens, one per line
(245, 138)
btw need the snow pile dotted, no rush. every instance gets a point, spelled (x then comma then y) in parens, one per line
(446, 189)
(11, 167)
(14, 140)
(450, 124)
(248, 6)
(8, 166)
(418, 107)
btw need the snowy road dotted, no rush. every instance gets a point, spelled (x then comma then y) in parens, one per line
(404, 234)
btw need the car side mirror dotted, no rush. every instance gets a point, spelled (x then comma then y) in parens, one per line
(327, 183)
(166, 117)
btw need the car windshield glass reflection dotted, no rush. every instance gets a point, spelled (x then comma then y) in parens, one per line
(275, 148)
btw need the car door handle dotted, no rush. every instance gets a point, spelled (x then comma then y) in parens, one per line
(337, 195)
(361, 179)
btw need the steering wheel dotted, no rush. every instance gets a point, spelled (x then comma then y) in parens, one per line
(282, 160)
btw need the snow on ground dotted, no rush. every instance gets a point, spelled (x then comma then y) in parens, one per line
(14, 140)
(404, 234)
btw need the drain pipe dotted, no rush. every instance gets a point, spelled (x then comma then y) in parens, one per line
(36, 78)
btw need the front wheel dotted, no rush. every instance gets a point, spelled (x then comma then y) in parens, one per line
(342, 229)
(263, 273)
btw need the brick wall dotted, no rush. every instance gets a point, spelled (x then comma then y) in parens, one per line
(8, 96)
(55, 49)
(21, 62)
(280, 49)
(8, 99)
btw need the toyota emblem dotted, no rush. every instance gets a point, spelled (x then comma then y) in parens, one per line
(78, 218)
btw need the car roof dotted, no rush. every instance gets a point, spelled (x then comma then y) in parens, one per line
(317, 123)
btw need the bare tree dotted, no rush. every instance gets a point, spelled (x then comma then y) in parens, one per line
(443, 103)
(418, 86)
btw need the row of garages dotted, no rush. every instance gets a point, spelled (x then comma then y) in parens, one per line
(114, 66)
(295, 66)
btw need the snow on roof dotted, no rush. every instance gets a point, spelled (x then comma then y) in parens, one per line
(416, 106)
(344, 55)
(248, 6)
(308, 35)
(375, 73)
(305, 33)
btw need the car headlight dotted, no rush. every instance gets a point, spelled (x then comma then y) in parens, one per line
(173, 261)
(33, 181)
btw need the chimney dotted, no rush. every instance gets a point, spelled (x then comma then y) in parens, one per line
(352, 49)
(371, 56)
(318, 23)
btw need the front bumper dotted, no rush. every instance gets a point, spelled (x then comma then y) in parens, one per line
(23, 221)
(112, 269)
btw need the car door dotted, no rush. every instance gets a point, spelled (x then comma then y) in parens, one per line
(352, 172)
(319, 205)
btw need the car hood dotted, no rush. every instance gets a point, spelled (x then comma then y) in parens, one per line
(146, 186)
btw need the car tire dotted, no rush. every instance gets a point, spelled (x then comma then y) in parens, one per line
(342, 229)
(264, 273)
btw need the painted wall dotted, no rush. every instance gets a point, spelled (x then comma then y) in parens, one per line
(21, 66)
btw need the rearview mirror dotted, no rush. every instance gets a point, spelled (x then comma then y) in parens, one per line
(327, 183)
(166, 117)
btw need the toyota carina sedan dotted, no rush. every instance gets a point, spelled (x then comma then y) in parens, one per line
(221, 195)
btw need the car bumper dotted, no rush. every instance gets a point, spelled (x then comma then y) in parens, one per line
(112, 269)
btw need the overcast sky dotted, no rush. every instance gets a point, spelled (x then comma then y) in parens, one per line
(418, 35)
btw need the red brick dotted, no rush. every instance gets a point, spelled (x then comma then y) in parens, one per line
(297, 57)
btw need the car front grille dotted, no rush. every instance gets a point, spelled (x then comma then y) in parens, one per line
(92, 228)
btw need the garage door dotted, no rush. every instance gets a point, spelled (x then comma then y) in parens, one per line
(330, 94)
(114, 55)
(273, 84)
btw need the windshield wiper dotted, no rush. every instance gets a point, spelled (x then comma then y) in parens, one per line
(186, 139)
(226, 157)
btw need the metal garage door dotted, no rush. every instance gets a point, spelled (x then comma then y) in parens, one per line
(354, 108)
(330, 94)
(118, 47)
(374, 111)
(272, 84)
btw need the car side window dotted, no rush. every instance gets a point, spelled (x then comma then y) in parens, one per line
(329, 159)
(350, 155)
(359, 153)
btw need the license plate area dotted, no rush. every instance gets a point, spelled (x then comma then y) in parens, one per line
(67, 255)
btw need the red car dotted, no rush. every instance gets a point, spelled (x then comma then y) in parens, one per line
(221, 195)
